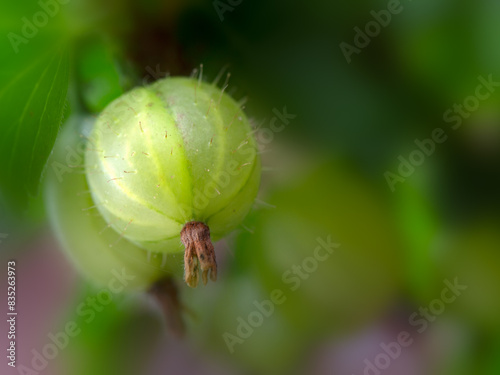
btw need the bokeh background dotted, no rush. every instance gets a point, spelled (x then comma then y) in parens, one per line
(325, 176)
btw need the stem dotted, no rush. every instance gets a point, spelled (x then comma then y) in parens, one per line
(166, 293)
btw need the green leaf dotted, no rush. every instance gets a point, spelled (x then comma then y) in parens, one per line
(33, 101)
(34, 72)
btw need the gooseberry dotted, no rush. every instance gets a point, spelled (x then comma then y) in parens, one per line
(330, 245)
(174, 160)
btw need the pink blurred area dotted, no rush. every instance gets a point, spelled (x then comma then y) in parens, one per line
(45, 288)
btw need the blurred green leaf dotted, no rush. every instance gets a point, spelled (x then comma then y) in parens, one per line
(33, 84)
(419, 224)
(33, 102)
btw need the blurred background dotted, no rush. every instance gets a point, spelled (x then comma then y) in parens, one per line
(374, 244)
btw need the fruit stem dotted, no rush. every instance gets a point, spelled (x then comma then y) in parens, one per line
(199, 253)
(166, 294)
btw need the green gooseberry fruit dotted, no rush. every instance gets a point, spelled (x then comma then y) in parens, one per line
(95, 249)
(336, 289)
(469, 256)
(174, 160)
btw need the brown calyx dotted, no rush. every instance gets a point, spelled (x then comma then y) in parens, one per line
(199, 253)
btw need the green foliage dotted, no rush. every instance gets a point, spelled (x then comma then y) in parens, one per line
(33, 85)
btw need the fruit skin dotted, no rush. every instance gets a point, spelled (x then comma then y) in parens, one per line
(176, 151)
(94, 248)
